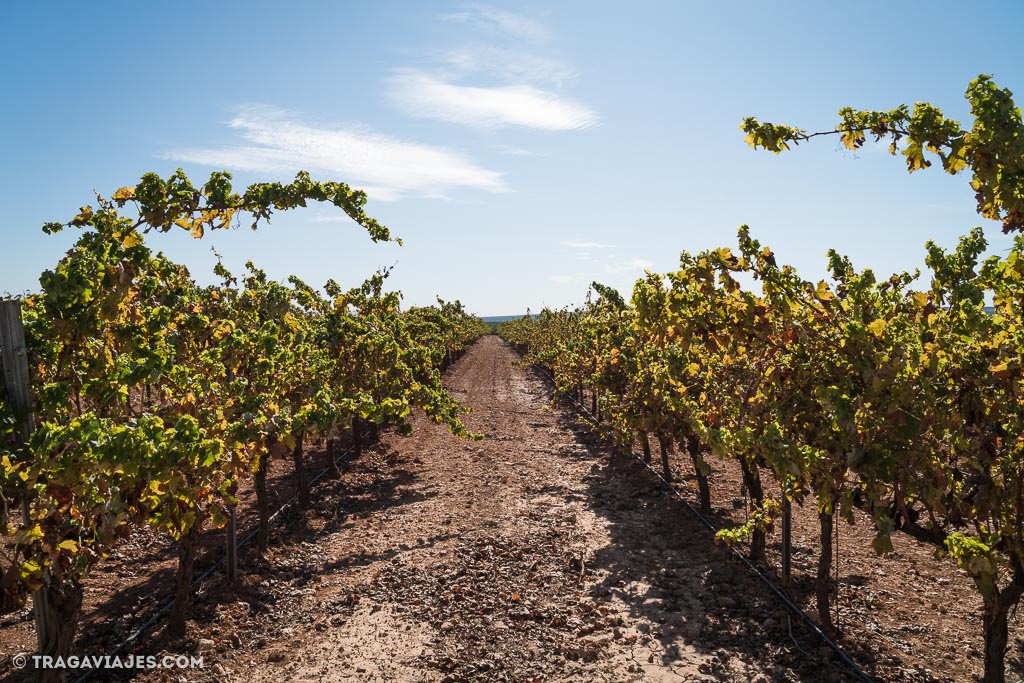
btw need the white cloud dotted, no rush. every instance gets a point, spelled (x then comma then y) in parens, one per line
(506, 64)
(566, 279)
(427, 96)
(632, 265)
(492, 20)
(386, 167)
(514, 151)
(580, 244)
(620, 274)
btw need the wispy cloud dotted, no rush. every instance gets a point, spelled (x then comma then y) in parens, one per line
(621, 272)
(504, 75)
(426, 96)
(566, 279)
(514, 151)
(505, 64)
(626, 266)
(581, 244)
(489, 19)
(272, 140)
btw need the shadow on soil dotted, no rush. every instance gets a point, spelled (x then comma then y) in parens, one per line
(663, 564)
(369, 484)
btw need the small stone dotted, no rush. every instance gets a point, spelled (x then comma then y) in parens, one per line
(447, 626)
(277, 657)
(205, 645)
(218, 670)
(235, 640)
(726, 601)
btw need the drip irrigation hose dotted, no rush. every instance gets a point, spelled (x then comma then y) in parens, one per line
(779, 593)
(162, 612)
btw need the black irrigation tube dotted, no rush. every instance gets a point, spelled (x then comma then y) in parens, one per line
(779, 593)
(153, 620)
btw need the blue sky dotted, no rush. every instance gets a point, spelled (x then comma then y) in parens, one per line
(520, 150)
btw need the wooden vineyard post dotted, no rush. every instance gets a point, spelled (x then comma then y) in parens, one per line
(14, 357)
(787, 543)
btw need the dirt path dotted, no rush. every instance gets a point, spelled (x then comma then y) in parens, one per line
(529, 555)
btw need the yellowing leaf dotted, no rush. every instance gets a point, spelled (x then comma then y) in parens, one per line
(85, 215)
(28, 535)
(822, 292)
(131, 239)
(124, 194)
(29, 570)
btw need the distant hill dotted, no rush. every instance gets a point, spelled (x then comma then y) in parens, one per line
(495, 319)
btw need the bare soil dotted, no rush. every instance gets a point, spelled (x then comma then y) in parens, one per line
(533, 554)
(904, 616)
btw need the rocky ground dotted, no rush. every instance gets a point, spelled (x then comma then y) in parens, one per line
(533, 554)
(530, 555)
